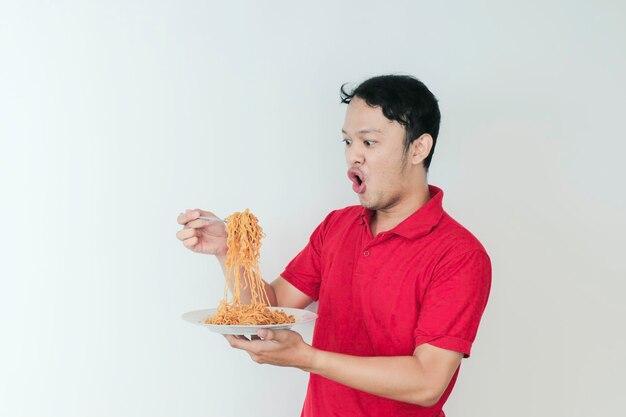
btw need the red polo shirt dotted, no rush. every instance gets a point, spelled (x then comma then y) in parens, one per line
(425, 281)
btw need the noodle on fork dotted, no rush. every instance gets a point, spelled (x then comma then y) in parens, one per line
(242, 272)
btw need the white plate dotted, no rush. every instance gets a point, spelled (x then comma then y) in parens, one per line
(199, 316)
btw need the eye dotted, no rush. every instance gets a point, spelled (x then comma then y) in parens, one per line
(368, 142)
(346, 141)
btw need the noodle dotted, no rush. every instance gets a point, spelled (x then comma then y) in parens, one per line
(242, 272)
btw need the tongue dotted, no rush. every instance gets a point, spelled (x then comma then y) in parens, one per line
(358, 188)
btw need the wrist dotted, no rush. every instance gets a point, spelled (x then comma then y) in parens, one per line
(313, 360)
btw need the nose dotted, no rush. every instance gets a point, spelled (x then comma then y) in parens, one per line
(354, 154)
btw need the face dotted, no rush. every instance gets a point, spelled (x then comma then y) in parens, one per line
(375, 156)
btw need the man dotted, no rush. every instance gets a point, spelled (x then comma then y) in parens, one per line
(401, 285)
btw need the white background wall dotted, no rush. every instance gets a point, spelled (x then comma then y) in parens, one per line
(115, 116)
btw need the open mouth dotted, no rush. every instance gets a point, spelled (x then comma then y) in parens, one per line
(358, 180)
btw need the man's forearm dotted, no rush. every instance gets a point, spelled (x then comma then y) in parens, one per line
(401, 378)
(418, 379)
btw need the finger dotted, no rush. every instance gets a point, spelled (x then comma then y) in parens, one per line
(191, 242)
(256, 358)
(183, 218)
(233, 340)
(189, 215)
(275, 335)
(230, 339)
(197, 223)
(185, 234)
(195, 213)
(266, 334)
(205, 213)
(242, 343)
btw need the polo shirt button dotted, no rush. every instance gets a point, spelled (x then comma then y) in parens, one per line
(366, 253)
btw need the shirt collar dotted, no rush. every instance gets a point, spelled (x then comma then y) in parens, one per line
(418, 224)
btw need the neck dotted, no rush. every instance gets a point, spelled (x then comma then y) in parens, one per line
(389, 217)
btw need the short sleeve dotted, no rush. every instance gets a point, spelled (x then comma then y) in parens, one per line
(304, 271)
(454, 302)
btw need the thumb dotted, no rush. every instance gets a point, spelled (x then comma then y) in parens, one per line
(206, 213)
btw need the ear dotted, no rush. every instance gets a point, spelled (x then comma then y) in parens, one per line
(420, 148)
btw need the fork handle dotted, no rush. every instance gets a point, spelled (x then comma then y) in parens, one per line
(212, 219)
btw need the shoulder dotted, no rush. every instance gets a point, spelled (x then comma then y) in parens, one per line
(456, 240)
(462, 260)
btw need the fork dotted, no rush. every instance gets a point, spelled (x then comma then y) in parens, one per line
(212, 219)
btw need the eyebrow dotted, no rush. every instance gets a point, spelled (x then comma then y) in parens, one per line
(364, 131)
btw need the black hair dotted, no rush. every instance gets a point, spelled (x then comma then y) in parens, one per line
(404, 99)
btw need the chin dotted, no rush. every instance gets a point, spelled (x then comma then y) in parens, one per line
(368, 205)
(381, 203)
